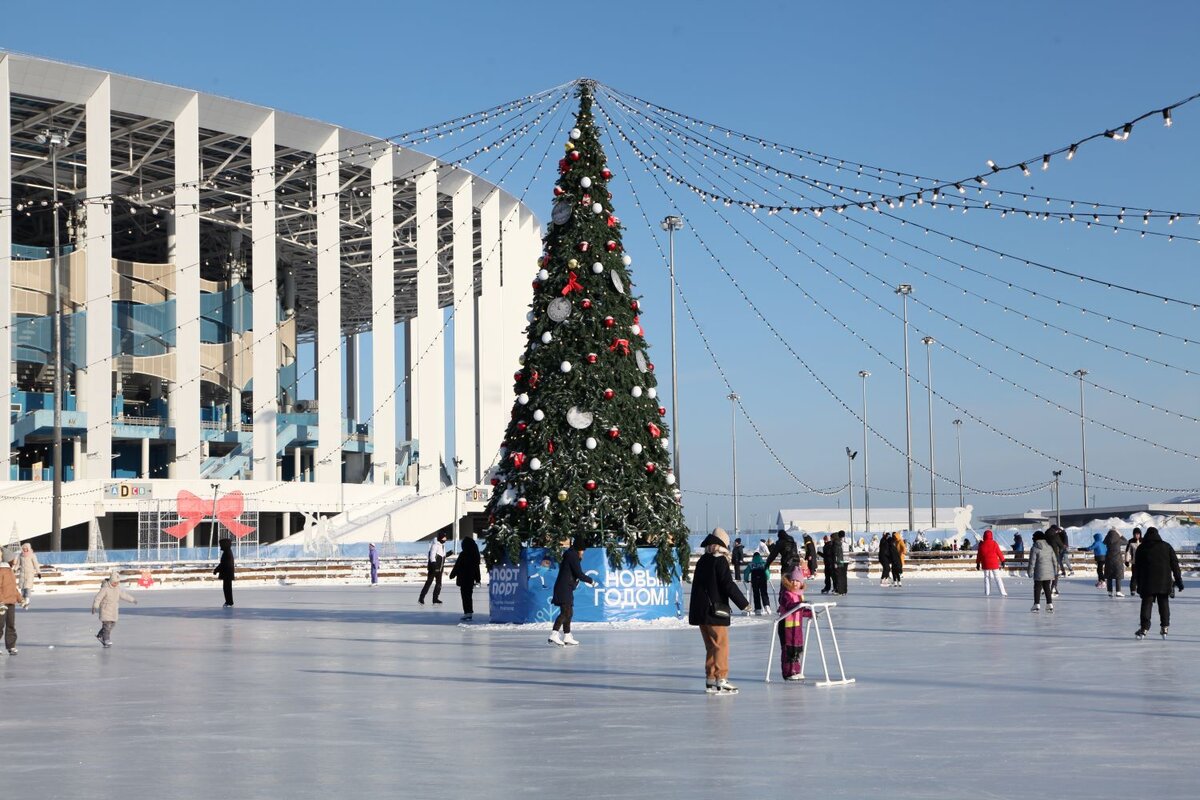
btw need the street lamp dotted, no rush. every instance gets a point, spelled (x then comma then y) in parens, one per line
(55, 141)
(864, 374)
(904, 290)
(1081, 374)
(928, 342)
(1057, 504)
(670, 224)
(850, 454)
(458, 470)
(733, 401)
(958, 437)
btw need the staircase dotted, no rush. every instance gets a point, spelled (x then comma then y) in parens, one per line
(412, 517)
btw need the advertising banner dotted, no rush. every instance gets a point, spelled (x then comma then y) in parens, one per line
(521, 592)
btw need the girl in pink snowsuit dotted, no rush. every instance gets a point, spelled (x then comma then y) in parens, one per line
(791, 627)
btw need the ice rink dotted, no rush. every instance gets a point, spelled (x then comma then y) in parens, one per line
(305, 692)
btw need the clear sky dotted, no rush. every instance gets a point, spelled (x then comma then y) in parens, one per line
(933, 88)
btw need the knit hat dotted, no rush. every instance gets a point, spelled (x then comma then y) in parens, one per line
(115, 576)
(722, 535)
(11, 554)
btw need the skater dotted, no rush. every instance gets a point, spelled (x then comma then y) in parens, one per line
(1099, 551)
(30, 570)
(713, 589)
(224, 570)
(1018, 548)
(899, 549)
(570, 573)
(1057, 537)
(990, 559)
(1114, 562)
(1043, 569)
(785, 550)
(739, 558)
(1131, 552)
(1155, 572)
(886, 553)
(829, 566)
(108, 603)
(810, 555)
(763, 548)
(466, 574)
(434, 560)
(840, 564)
(791, 628)
(10, 598)
(758, 573)
(373, 560)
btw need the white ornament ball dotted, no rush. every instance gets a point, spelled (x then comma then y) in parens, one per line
(543, 275)
(585, 181)
(565, 366)
(539, 415)
(597, 208)
(597, 268)
(535, 464)
(666, 445)
(576, 133)
(627, 259)
(670, 479)
(652, 393)
(636, 391)
(547, 338)
(636, 448)
(590, 443)
(636, 330)
(522, 398)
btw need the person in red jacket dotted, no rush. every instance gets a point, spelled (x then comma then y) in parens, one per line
(990, 558)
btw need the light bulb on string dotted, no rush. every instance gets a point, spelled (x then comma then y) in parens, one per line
(1166, 117)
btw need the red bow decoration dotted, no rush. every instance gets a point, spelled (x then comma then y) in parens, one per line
(654, 430)
(533, 380)
(517, 460)
(619, 344)
(573, 284)
(193, 510)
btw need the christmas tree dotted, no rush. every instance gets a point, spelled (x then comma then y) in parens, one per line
(586, 451)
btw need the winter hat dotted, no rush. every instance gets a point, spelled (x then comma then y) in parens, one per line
(11, 554)
(114, 576)
(722, 535)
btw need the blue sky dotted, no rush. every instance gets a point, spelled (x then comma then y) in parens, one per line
(933, 88)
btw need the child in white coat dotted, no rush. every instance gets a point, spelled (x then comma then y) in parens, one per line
(108, 603)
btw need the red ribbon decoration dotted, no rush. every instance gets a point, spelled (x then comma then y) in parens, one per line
(619, 344)
(573, 284)
(654, 430)
(518, 459)
(193, 510)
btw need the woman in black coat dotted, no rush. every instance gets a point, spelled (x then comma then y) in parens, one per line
(466, 574)
(1114, 562)
(570, 573)
(810, 554)
(887, 551)
(1155, 575)
(224, 570)
(713, 588)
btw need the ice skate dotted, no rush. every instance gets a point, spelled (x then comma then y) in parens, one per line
(711, 688)
(555, 638)
(107, 644)
(1119, 594)
(12, 651)
(794, 678)
(1110, 594)
(1140, 634)
(570, 641)
(465, 618)
(725, 687)
(1050, 607)
(1163, 633)
(1036, 608)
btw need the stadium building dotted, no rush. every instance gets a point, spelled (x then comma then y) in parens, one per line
(225, 268)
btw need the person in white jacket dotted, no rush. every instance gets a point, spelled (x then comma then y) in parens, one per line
(30, 568)
(108, 603)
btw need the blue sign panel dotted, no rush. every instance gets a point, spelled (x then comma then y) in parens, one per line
(521, 592)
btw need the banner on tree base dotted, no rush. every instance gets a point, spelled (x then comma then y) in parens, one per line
(521, 592)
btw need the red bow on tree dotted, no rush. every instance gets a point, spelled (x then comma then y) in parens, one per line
(518, 459)
(654, 430)
(533, 380)
(193, 510)
(619, 344)
(573, 284)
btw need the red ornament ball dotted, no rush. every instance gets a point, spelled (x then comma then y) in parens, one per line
(522, 503)
(609, 322)
(611, 246)
(662, 411)
(574, 156)
(609, 394)
(558, 191)
(517, 376)
(537, 284)
(495, 481)
(591, 358)
(521, 426)
(585, 304)
(650, 366)
(606, 173)
(590, 485)
(650, 468)
(614, 432)
(635, 306)
(583, 247)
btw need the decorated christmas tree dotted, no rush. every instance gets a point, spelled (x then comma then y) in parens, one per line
(586, 451)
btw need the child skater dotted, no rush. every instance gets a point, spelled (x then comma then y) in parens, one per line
(791, 627)
(757, 572)
(108, 602)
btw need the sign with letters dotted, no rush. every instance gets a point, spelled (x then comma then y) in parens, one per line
(128, 491)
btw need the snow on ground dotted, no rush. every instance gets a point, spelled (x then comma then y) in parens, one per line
(314, 692)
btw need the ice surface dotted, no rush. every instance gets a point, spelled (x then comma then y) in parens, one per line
(312, 691)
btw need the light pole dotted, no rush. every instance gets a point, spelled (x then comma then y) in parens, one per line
(850, 454)
(458, 470)
(958, 437)
(1057, 504)
(928, 342)
(1081, 374)
(733, 401)
(904, 290)
(864, 374)
(670, 224)
(55, 141)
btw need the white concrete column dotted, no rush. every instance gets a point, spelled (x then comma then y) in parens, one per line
(144, 472)
(515, 270)
(428, 346)
(6, 215)
(264, 316)
(463, 249)
(329, 314)
(495, 399)
(185, 389)
(97, 464)
(383, 319)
